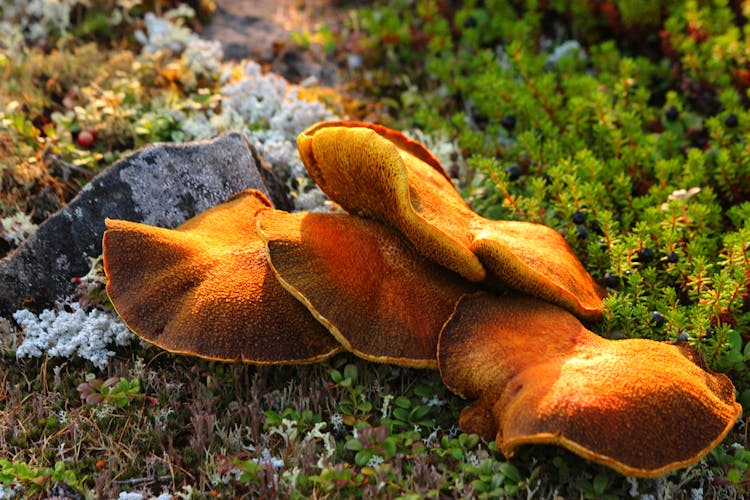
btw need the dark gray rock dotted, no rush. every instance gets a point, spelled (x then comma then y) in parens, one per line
(244, 32)
(260, 30)
(161, 185)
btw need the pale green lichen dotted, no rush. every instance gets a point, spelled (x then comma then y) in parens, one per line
(87, 334)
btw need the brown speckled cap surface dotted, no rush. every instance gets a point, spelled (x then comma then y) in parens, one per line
(365, 282)
(205, 289)
(537, 375)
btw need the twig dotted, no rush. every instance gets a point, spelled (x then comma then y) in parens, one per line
(142, 480)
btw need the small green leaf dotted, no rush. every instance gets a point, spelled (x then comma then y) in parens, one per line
(335, 375)
(468, 441)
(363, 456)
(424, 391)
(733, 475)
(601, 482)
(402, 402)
(744, 399)
(735, 341)
(389, 447)
(365, 407)
(401, 414)
(419, 413)
(511, 472)
(350, 372)
(272, 418)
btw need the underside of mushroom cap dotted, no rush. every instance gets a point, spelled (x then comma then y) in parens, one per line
(401, 141)
(368, 285)
(379, 173)
(361, 167)
(205, 289)
(537, 375)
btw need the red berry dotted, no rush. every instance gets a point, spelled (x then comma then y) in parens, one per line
(85, 138)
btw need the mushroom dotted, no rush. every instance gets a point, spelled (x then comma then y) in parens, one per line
(245, 282)
(205, 289)
(638, 406)
(379, 173)
(362, 280)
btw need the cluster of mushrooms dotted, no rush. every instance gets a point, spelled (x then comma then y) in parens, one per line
(411, 276)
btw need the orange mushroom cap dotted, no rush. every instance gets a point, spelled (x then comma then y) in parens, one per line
(371, 170)
(363, 281)
(638, 406)
(205, 289)
(537, 260)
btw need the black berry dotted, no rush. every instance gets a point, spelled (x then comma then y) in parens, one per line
(731, 120)
(508, 122)
(658, 319)
(673, 257)
(582, 232)
(683, 337)
(596, 227)
(513, 171)
(645, 254)
(611, 280)
(672, 113)
(708, 333)
(579, 217)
